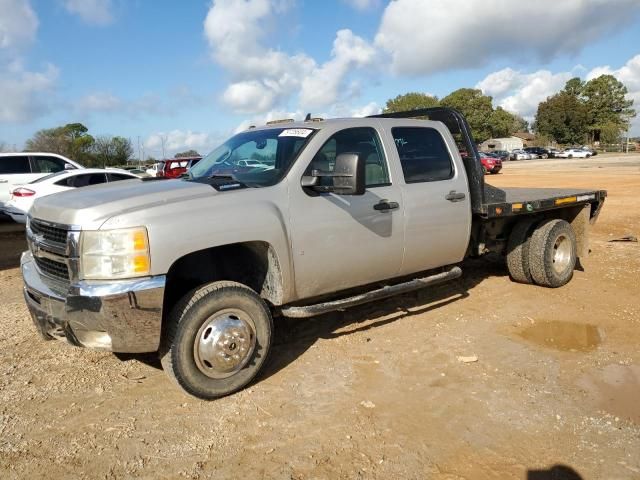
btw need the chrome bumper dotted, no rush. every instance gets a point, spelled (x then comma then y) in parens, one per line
(119, 316)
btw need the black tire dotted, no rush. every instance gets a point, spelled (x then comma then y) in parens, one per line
(588, 155)
(518, 250)
(570, 156)
(185, 324)
(552, 253)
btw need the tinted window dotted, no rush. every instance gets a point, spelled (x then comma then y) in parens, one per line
(83, 180)
(359, 140)
(17, 164)
(114, 177)
(423, 154)
(47, 164)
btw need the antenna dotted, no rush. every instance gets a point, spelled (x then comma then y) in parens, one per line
(308, 117)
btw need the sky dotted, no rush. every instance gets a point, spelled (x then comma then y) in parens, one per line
(187, 75)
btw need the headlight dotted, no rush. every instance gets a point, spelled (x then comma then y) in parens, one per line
(109, 254)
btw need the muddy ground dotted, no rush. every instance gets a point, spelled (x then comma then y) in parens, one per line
(376, 392)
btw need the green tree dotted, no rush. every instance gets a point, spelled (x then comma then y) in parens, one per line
(410, 101)
(574, 87)
(563, 117)
(504, 124)
(476, 107)
(608, 108)
(122, 150)
(71, 140)
(188, 153)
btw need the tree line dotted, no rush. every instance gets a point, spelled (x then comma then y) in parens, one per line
(73, 141)
(583, 112)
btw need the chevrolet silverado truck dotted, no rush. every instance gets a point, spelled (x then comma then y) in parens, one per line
(340, 212)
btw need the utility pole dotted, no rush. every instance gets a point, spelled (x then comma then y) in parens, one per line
(163, 139)
(139, 154)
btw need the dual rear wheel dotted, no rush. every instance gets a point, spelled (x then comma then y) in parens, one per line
(543, 253)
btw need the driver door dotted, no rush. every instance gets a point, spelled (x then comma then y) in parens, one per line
(344, 241)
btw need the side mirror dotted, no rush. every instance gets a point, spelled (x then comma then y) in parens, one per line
(68, 166)
(348, 176)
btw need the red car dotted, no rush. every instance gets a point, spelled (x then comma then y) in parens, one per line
(175, 167)
(490, 164)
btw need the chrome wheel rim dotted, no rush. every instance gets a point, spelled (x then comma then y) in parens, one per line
(224, 343)
(561, 254)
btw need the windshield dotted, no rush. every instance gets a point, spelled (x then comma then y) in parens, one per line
(257, 158)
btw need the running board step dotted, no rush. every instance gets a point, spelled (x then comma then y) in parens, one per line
(378, 294)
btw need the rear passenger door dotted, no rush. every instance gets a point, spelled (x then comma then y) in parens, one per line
(435, 195)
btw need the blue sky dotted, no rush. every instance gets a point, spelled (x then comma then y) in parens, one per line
(188, 74)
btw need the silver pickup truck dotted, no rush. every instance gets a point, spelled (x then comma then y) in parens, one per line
(293, 219)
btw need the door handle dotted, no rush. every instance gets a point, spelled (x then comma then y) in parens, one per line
(454, 196)
(385, 205)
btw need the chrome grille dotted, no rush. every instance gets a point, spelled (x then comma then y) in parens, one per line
(48, 244)
(52, 268)
(48, 232)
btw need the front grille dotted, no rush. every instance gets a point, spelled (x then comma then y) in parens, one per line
(52, 268)
(51, 234)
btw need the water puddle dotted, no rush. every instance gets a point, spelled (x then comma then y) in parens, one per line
(616, 389)
(564, 336)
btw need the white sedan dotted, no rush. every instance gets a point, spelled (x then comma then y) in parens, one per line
(574, 153)
(23, 196)
(519, 154)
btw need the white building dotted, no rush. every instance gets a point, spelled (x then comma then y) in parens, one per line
(508, 144)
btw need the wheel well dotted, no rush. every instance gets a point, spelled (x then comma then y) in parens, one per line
(253, 264)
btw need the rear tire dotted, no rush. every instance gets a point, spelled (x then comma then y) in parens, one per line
(552, 253)
(518, 250)
(218, 338)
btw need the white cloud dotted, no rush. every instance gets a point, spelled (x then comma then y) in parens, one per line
(363, 5)
(322, 86)
(249, 96)
(93, 12)
(425, 37)
(99, 102)
(264, 78)
(18, 24)
(522, 92)
(25, 94)
(371, 108)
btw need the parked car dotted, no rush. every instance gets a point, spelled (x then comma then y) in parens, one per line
(592, 151)
(24, 167)
(23, 196)
(501, 154)
(537, 152)
(154, 169)
(176, 167)
(519, 154)
(574, 153)
(553, 152)
(490, 164)
(196, 269)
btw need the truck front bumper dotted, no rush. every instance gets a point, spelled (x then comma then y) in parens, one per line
(120, 316)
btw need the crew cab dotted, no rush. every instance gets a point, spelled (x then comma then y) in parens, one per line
(340, 212)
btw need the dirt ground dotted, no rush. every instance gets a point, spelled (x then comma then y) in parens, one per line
(375, 392)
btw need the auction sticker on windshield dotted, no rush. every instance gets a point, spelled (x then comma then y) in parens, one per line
(296, 132)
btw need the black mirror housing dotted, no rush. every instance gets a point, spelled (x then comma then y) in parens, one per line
(347, 178)
(349, 174)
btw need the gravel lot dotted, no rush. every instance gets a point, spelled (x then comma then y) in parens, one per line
(375, 392)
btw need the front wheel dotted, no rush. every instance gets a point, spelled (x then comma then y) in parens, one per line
(218, 338)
